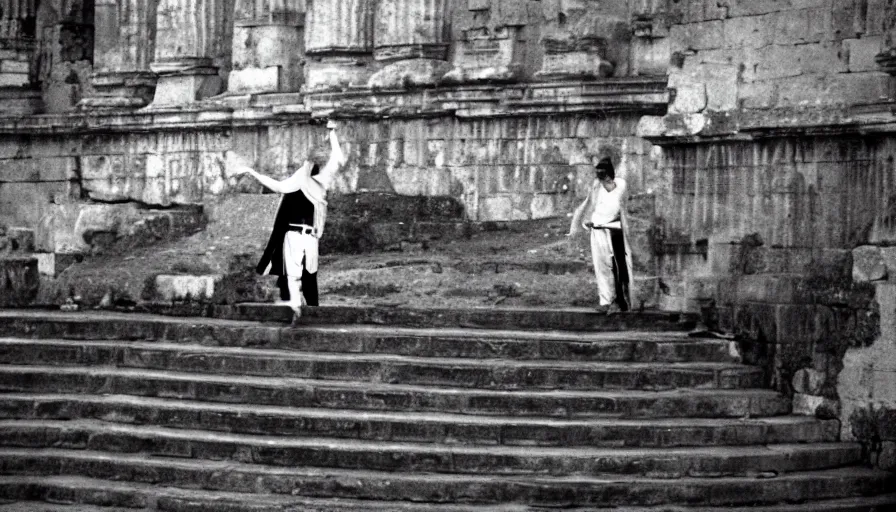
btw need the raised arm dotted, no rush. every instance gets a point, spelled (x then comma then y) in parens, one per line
(237, 165)
(335, 162)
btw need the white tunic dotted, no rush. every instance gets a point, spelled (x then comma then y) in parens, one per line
(608, 204)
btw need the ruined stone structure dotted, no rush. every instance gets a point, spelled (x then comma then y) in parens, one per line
(757, 137)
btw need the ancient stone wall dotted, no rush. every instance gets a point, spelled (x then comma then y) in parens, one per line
(499, 168)
(778, 151)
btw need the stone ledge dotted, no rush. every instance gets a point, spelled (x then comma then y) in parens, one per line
(572, 319)
(755, 124)
(637, 95)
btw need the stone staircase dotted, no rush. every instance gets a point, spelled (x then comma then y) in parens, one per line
(370, 410)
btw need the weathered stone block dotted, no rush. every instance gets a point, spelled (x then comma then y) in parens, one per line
(254, 79)
(768, 288)
(19, 281)
(811, 405)
(749, 31)
(738, 8)
(14, 79)
(410, 73)
(689, 99)
(20, 240)
(185, 89)
(15, 66)
(861, 53)
(185, 287)
(808, 381)
(792, 27)
(46, 263)
(868, 264)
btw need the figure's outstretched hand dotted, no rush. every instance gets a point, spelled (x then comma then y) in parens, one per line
(236, 165)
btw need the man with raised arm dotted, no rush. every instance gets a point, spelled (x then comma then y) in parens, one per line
(292, 250)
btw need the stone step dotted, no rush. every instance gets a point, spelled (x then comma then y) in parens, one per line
(143, 497)
(454, 342)
(420, 427)
(571, 319)
(705, 403)
(325, 452)
(565, 491)
(457, 372)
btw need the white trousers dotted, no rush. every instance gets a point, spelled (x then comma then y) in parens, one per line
(602, 257)
(298, 250)
(298, 247)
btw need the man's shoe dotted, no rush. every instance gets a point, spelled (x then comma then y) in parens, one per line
(613, 308)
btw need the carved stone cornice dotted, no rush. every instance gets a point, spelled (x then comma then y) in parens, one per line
(617, 96)
(714, 127)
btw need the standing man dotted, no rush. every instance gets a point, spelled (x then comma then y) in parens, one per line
(292, 250)
(604, 210)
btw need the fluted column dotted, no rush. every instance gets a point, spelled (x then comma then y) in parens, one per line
(187, 32)
(125, 35)
(411, 38)
(17, 57)
(338, 43)
(268, 46)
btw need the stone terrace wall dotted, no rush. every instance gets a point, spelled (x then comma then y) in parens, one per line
(64, 180)
(779, 155)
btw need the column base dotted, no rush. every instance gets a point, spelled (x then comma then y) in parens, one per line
(336, 73)
(576, 65)
(266, 58)
(120, 90)
(406, 74)
(185, 86)
(486, 75)
(254, 80)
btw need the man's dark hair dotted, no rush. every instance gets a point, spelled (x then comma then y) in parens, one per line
(605, 169)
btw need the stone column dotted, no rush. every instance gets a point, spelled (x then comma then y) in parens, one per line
(125, 34)
(410, 37)
(338, 43)
(268, 46)
(571, 42)
(18, 74)
(186, 37)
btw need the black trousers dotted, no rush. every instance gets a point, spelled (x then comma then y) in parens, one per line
(309, 288)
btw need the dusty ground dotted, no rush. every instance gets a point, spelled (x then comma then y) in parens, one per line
(528, 263)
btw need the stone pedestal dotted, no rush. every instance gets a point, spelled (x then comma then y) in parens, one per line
(18, 92)
(125, 33)
(184, 55)
(572, 48)
(487, 56)
(651, 50)
(491, 50)
(268, 46)
(338, 44)
(411, 39)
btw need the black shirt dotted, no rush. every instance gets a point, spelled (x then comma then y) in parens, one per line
(298, 209)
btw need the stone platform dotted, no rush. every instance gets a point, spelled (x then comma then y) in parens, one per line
(401, 409)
